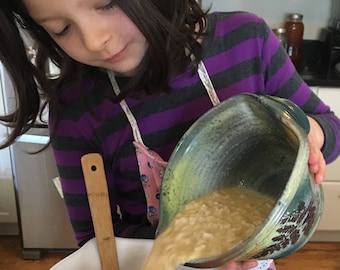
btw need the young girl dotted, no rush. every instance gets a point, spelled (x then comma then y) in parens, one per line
(133, 78)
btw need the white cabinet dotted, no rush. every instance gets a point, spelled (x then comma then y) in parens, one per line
(315, 89)
(330, 219)
(8, 213)
(329, 227)
(331, 96)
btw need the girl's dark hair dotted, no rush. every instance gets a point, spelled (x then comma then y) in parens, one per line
(170, 31)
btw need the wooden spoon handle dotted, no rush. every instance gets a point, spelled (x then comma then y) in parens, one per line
(97, 192)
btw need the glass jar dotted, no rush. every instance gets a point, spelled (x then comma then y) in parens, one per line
(294, 27)
(281, 34)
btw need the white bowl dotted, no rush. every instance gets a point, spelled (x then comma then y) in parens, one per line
(131, 255)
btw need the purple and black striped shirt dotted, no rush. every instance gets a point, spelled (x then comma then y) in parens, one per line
(240, 53)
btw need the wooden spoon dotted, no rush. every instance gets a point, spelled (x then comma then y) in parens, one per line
(97, 192)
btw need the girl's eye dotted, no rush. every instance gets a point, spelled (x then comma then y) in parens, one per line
(110, 5)
(63, 32)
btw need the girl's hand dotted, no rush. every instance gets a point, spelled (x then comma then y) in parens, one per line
(242, 265)
(316, 161)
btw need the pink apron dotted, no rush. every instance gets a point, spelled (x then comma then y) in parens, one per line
(152, 166)
(151, 170)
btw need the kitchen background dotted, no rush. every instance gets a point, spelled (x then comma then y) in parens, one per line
(316, 12)
(29, 201)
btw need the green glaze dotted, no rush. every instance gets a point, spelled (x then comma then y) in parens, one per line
(258, 142)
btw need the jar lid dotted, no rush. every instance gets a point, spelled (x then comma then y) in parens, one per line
(295, 17)
(280, 31)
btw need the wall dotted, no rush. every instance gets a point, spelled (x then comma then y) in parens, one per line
(316, 12)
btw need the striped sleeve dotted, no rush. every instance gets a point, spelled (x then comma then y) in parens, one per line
(246, 56)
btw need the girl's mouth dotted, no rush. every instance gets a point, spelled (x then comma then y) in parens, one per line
(118, 56)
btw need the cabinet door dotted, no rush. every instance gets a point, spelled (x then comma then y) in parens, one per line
(330, 220)
(331, 96)
(8, 213)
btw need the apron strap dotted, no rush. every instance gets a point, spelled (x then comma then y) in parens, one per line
(205, 79)
(135, 129)
(151, 165)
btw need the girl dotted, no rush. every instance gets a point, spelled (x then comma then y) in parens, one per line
(130, 79)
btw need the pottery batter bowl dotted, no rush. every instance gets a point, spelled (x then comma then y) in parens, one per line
(257, 142)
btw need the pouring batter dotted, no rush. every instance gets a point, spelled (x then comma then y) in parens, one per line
(154, 48)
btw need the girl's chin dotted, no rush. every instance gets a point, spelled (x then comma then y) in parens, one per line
(124, 72)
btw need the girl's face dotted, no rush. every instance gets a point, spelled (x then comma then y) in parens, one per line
(93, 32)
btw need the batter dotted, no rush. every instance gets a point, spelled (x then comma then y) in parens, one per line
(209, 226)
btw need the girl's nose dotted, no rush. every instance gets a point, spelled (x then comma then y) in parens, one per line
(95, 38)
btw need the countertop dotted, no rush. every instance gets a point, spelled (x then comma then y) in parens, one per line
(321, 79)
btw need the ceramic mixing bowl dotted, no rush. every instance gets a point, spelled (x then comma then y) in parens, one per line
(257, 142)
